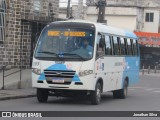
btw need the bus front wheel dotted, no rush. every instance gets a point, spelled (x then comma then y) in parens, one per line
(122, 93)
(96, 95)
(42, 95)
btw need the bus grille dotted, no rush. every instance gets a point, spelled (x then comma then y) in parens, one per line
(66, 75)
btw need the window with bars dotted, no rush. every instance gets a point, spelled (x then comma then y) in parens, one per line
(2, 20)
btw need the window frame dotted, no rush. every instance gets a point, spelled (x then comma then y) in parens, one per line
(149, 17)
(129, 53)
(125, 47)
(120, 45)
(137, 46)
(2, 24)
(111, 46)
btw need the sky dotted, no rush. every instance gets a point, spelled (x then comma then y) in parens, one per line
(63, 3)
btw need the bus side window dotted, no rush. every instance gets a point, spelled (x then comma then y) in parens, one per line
(129, 46)
(108, 46)
(119, 45)
(112, 48)
(132, 47)
(123, 48)
(100, 45)
(116, 46)
(135, 50)
(137, 47)
(126, 46)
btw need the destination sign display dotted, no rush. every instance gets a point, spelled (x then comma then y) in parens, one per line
(67, 33)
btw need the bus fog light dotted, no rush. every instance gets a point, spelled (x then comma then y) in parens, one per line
(36, 71)
(85, 72)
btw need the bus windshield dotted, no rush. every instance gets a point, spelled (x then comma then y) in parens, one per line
(68, 44)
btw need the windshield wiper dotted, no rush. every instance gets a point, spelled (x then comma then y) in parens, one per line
(51, 53)
(72, 54)
(61, 54)
(48, 52)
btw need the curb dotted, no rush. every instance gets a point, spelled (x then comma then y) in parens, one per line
(17, 97)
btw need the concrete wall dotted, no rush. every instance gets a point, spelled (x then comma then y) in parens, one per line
(124, 22)
(126, 17)
(133, 11)
(151, 26)
(118, 21)
(62, 12)
(116, 16)
(140, 3)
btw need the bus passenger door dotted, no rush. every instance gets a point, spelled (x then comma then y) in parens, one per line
(100, 61)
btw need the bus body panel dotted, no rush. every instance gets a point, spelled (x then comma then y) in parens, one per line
(113, 70)
(87, 81)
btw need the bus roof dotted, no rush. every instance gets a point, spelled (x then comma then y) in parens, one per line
(103, 27)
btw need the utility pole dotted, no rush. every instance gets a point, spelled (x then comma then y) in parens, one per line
(78, 12)
(68, 8)
(101, 6)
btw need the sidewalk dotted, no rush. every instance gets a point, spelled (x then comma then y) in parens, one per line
(150, 74)
(16, 94)
(12, 84)
(13, 81)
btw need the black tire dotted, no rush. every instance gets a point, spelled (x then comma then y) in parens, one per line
(122, 93)
(42, 95)
(96, 95)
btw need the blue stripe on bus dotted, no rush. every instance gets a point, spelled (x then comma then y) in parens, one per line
(42, 77)
(130, 34)
(59, 67)
(131, 70)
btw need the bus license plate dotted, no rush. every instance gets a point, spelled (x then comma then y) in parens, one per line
(58, 80)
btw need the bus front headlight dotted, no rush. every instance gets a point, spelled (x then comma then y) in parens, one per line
(36, 71)
(85, 72)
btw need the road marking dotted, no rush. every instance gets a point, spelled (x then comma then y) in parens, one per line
(145, 88)
(150, 89)
(156, 91)
(131, 89)
(139, 88)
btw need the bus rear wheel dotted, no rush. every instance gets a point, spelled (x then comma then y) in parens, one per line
(96, 95)
(122, 93)
(42, 95)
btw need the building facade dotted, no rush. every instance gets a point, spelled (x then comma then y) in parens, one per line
(140, 16)
(149, 49)
(134, 15)
(63, 12)
(20, 22)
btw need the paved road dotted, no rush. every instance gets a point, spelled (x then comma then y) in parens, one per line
(144, 96)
